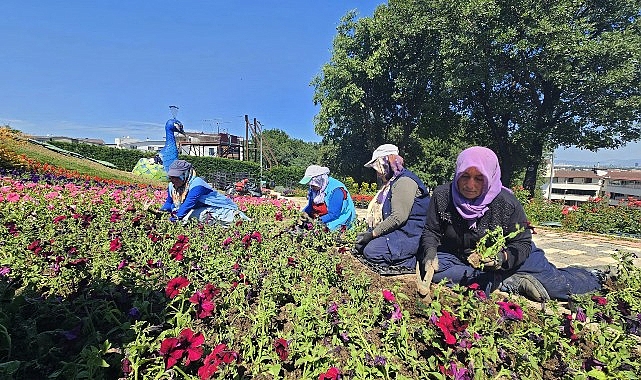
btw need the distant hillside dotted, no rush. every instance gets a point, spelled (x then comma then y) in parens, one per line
(630, 163)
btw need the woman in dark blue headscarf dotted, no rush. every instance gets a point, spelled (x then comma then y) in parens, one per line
(190, 197)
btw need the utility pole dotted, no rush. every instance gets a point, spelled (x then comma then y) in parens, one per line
(551, 175)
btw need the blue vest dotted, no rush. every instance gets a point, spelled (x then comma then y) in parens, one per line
(403, 242)
(348, 211)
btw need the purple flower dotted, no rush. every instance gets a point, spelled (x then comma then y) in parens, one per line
(379, 361)
(396, 314)
(134, 313)
(5, 271)
(580, 315)
(344, 337)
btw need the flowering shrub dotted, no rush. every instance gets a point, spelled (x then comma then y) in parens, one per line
(95, 287)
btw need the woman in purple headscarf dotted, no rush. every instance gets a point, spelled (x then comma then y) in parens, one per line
(463, 211)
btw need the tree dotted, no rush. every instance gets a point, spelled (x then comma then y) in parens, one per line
(373, 91)
(520, 77)
(291, 152)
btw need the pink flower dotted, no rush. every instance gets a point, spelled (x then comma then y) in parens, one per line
(204, 305)
(388, 296)
(396, 314)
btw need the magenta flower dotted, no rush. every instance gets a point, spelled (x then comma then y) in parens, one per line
(174, 286)
(122, 264)
(187, 345)
(204, 305)
(510, 311)
(396, 314)
(580, 315)
(279, 216)
(388, 296)
(568, 329)
(227, 242)
(59, 219)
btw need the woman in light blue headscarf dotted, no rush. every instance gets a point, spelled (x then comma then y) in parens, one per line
(190, 197)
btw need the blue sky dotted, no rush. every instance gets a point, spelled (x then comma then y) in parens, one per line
(107, 69)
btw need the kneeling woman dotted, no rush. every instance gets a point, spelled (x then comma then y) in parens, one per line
(190, 197)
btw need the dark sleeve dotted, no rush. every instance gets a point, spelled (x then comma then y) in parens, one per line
(334, 205)
(191, 200)
(169, 203)
(432, 233)
(308, 209)
(520, 246)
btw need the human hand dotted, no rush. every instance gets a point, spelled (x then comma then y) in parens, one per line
(487, 263)
(173, 219)
(426, 265)
(362, 239)
(304, 218)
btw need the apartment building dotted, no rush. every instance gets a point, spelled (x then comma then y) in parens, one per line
(574, 186)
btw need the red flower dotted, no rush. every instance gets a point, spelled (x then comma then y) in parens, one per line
(332, 374)
(280, 345)
(209, 367)
(291, 262)
(257, 236)
(449, 325)
(174, 286)
(279, 216)
(192, 344)
(339, 269)
(170, 351)
(115, 244)
(568, 329)
(227, 241)
(600, 300)
(211, 291)
(59, 219)
(180, 246)
(35, 246)
(187, 344)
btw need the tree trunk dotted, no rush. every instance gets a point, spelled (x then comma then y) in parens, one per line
(534, 160)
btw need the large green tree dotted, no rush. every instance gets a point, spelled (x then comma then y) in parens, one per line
(521, 77)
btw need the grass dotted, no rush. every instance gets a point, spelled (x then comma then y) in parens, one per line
(16, 143)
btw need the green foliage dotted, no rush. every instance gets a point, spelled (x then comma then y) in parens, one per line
(520, 78)
(124, 159)
(291, 152)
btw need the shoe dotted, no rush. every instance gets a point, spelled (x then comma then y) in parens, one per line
(603, 275)
(525, 285)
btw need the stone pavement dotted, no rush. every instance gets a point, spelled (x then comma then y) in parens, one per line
(583, 249)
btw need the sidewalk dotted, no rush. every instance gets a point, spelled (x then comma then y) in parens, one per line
(583, 249)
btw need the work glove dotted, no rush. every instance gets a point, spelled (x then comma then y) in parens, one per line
(303, 219)
(426, 265)
(488, 263)
(361, 240)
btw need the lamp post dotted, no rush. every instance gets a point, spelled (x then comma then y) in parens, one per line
(551, 175)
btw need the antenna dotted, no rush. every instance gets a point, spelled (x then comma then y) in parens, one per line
(174, 111)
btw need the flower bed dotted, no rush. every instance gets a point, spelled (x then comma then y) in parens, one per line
(94, 287)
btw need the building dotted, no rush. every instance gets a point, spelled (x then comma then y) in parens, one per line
(574, 186)
(192, 144)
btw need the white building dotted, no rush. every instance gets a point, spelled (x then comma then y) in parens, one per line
(575, 186)
(193, 144)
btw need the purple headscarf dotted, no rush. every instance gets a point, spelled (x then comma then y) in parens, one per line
(486, 162)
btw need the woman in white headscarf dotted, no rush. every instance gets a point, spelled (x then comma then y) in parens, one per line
(395, 217)
(190, 197)
(328, 199)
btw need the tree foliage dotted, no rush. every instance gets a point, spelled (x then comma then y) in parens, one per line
(519, 77)
(289, 151)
